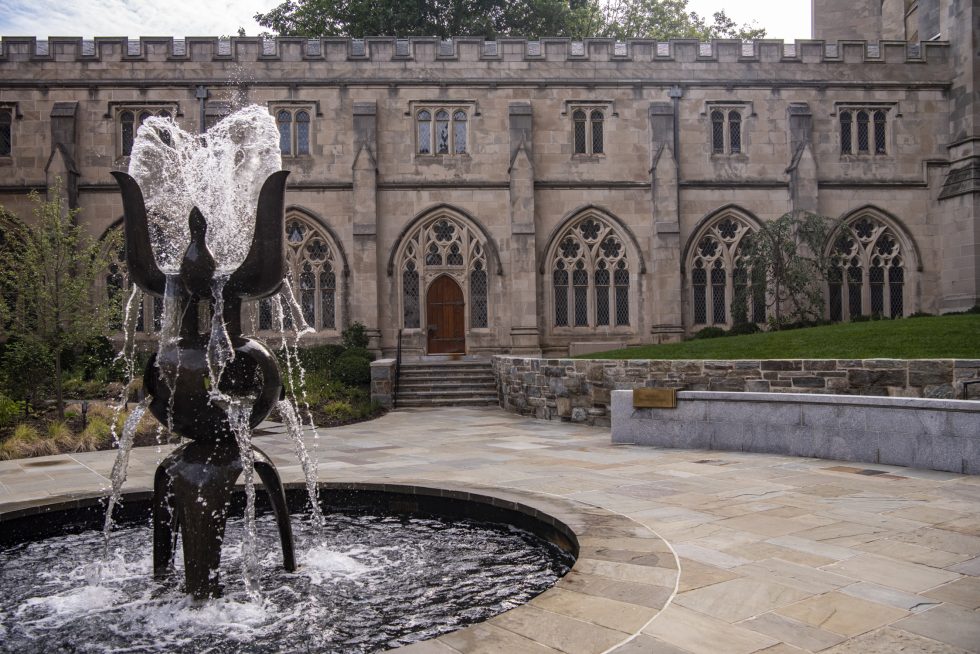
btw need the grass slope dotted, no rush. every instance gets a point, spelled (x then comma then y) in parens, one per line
(939, 337)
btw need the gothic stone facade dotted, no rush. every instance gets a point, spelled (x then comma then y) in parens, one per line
(529, 197)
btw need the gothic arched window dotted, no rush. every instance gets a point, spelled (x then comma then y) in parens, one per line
(588, 135)
(314, 269)
(724, 288)
(590, 276)
(868, 276)
(444, 245)
(294, 131)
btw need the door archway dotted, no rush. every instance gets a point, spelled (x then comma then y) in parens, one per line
(445, 313)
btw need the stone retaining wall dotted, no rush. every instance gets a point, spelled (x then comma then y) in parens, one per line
(579, 389)
(912, 432)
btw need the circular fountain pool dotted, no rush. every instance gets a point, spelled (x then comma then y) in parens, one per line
(367, 582)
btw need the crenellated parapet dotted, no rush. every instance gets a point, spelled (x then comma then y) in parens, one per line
(470, 49)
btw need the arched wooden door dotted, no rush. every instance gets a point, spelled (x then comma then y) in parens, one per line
(444, 312)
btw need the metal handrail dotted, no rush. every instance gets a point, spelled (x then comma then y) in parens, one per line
(398, 371)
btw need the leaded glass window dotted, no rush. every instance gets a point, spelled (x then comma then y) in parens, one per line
(590, 276)
(845, 132)
(868, 272)
(442, 130)
(726, 129)
(284, 120)
(129, 121)
(302, 132)
(596, 118)
(444, 245)
(6, 135)
(311, 265)
(294, 131)
(735, 132)
(588, 135)
(424, 121)
(146, 311)
(725, 288)
(578, 120)
(717, 132)
(863, 131)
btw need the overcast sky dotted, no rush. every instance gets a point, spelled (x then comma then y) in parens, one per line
(786, 19)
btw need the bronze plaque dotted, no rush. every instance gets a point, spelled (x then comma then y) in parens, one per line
(655, 398)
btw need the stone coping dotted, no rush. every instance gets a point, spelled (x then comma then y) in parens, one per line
(970, 406)
(616, 556)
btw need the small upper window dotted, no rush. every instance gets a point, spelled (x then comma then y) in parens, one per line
(587, 131)
(294, 131)
(441, 130)
(726, 130)
(129, 121)
(6, 134)
(863, 130)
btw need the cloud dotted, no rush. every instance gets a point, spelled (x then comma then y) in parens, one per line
(133, 18)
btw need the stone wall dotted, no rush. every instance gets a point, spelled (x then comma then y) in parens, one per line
(912, 432)
(578, 390)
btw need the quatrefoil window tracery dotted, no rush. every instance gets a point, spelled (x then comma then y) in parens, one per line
(449, 246)
(721, 279)
(590, 277)
(312, 269)
(868, 276)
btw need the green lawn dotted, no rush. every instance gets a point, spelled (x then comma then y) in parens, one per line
(940, 337)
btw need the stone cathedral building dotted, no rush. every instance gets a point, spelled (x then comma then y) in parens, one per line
(540, 196)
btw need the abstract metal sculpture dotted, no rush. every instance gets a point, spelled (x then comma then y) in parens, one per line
(193, 486)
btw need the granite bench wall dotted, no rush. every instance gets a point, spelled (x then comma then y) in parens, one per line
(917, 433)
(578, 390)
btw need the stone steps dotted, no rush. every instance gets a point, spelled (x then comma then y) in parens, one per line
(446, 383)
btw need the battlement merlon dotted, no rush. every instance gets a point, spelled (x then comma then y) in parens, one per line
(458, 52)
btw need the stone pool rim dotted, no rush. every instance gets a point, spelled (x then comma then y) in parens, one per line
(603, 542)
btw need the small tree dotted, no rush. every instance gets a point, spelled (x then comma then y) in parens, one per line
(790, 252)
(48, 271)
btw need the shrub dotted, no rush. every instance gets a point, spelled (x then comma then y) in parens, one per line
(340, 411)
(711, 332)
(354, 370)
(26, 369)
(320, 357)
(744, 328)
(26, 441)
(922, 314)
(362, 352)
(861, 318)
(354, 336)
(9, 411)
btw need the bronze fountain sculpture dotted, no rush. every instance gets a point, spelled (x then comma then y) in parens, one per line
(193, 486)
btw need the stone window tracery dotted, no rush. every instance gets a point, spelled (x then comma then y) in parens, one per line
(444, 245)
(314, 269)
(726, 130)
(587, 131)
(129, 120)
(294, 131)
(590, 276)
(863, 130)
(724, 287)
(868, 275)
(6, 134)
(442, 130)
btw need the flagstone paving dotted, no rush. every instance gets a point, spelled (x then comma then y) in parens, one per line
(760, 553)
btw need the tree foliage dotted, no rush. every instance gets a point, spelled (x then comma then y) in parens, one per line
(790, 252)
(621, 19)
(48, 270)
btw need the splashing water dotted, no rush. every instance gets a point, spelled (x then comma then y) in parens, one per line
(220, 172)
(120, 468)
(238, 415)
(287, 411)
